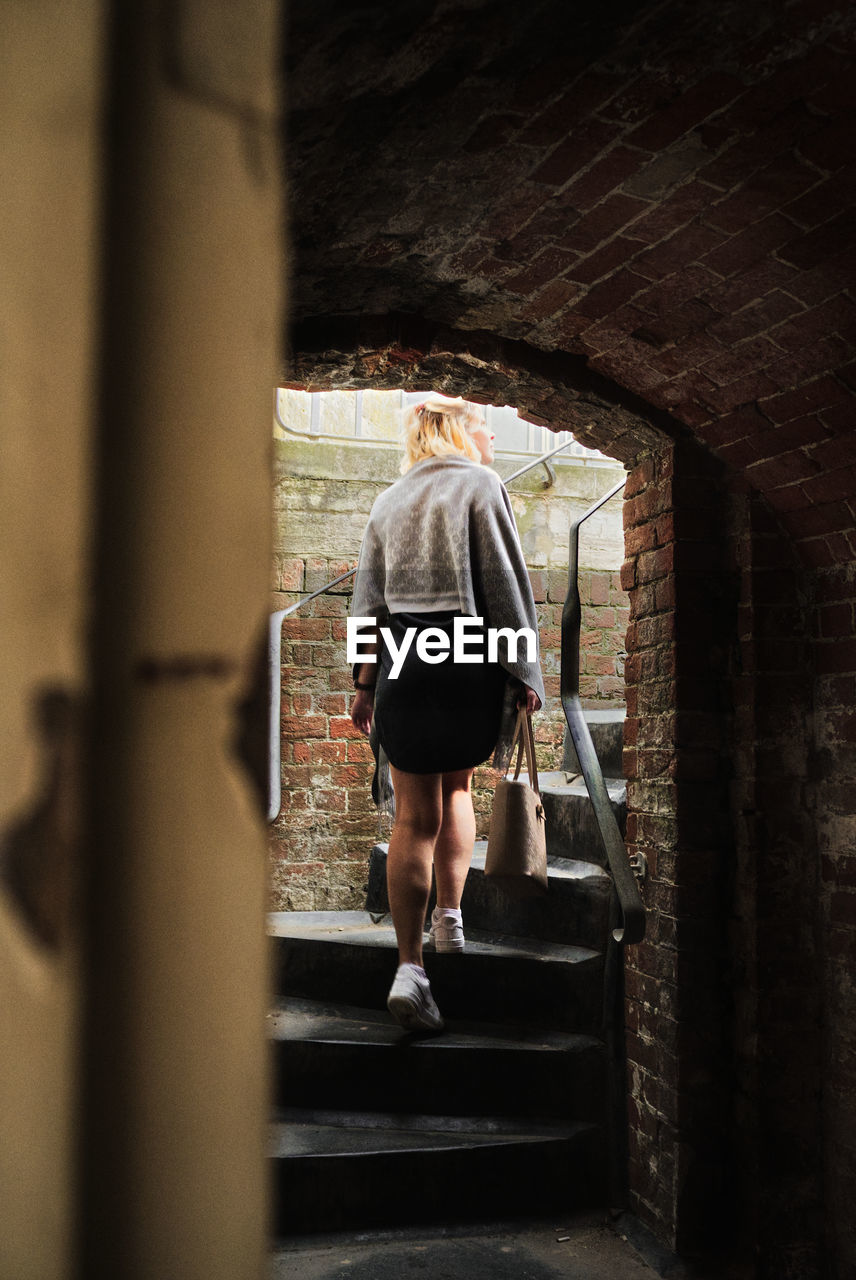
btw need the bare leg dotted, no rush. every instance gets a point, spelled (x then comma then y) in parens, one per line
(453, 850)
(418, 819)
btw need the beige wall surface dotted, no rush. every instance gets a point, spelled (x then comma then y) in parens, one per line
(175, 1055)
(50, 91)
(140, 304)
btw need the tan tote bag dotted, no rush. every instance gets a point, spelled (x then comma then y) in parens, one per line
(517, 843)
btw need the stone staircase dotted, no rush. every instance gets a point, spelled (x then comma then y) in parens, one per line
(515, 1108)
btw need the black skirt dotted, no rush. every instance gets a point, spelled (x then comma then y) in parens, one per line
(437, 717)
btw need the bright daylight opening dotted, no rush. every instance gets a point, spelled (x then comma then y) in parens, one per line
(335, 452)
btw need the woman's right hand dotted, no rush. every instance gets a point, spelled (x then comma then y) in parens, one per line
(362, 709)
(529, 699)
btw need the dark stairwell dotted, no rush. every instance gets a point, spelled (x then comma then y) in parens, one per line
(519, 1106)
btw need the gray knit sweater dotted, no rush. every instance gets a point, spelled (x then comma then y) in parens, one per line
(443, 537)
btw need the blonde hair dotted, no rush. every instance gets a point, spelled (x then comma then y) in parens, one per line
(437, 427)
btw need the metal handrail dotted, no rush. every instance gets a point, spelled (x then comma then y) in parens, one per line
(275, 649)
(631, 906)
(515, 475)
(537, 462)
(275, 692)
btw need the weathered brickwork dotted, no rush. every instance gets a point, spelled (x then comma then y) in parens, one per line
(670, 200)
(775, 929)
(833, 775)
(321, 841)
(740, 796)
(327, 822)
(681, 589)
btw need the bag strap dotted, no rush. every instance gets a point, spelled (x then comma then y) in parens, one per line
(517, 741)
(523, 737)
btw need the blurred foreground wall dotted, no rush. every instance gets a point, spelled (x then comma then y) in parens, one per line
(140, 235)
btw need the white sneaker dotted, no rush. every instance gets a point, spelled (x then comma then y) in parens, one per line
(447, 929)
(410, 1001)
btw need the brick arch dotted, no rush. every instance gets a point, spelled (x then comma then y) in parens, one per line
(559, 391)
(681, 574)
(662, 192)
(719, 753)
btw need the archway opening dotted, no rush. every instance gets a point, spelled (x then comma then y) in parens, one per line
(335, 451)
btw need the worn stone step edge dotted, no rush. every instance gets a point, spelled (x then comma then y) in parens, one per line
(298, 1019)
(296, 1133)
(560, 871)
(606, 726)
(562, 783)
(572, 825)
(391, 1177)
(575, 908)
(363, 1061)
(342, 956)
(356, 928)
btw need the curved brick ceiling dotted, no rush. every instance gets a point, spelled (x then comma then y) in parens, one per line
(664, 192)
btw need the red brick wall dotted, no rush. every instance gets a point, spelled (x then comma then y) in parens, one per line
(740, 794)
(682, 587)
(327, 820)
(833, 773)
(321, 841)
(774, 915)
(671, 204)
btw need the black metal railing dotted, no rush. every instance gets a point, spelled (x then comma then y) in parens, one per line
(632, 910)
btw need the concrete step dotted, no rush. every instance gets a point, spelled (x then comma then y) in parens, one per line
(572, 830)
(575, 909)
(607, 733)
(335, 1170)
(360, 1058)
(344, 956)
